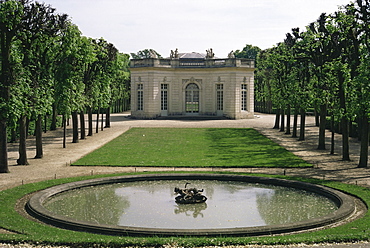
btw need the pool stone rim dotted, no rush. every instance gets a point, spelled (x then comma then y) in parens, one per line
(346, 207)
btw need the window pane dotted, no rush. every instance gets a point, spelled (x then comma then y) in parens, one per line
(243, 97)
(164, 97)
(140, 97)
(220, 96)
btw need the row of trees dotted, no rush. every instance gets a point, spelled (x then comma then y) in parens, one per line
(326, 66)
(49, 68)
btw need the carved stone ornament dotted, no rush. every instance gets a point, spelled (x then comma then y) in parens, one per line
(231, 55)
(153, 54)
(174, 54)
(192, 80)
(210, 54)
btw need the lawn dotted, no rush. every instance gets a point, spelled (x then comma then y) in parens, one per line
(192, 147)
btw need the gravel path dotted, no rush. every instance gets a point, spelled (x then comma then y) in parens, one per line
(56, 161)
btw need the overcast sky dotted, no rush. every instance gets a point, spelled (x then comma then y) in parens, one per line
(192, 25)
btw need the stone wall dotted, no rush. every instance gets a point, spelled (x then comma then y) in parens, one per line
(152, 73)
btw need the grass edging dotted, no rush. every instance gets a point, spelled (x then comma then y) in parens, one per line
(34, 232)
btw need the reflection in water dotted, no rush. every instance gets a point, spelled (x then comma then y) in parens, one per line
(195, 209)
(96, 206)
(284, 199)
(152, 204)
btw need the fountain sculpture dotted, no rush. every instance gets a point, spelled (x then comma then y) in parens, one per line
(189, 196)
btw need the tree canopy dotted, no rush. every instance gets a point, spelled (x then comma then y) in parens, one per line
(324, 67)
(49, 68)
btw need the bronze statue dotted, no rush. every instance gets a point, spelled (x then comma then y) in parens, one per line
(188, 196)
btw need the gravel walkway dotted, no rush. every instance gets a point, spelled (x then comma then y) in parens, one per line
(56, 161)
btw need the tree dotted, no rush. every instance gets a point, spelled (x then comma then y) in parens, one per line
(69, 85)
(11, 13)
(146, 54)
(248, 52)
(264, 76)
(361, 81)
(267, 75)
(321, 52)
(120, 81)
(39, 27)
(301, 82)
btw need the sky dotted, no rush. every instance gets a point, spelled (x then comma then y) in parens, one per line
(192, 25)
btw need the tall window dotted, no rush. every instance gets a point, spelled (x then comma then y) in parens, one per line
(220, 96)
(164, 96)
(140, 97)
(243, 97)
(192, 98)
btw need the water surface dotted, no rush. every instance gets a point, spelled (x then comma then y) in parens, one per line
(152, 204)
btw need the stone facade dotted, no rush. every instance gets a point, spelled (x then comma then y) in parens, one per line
(192, 84)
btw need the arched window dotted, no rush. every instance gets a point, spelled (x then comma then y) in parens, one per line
(192, 98)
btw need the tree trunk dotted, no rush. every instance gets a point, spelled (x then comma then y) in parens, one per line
(75, 127)
(344, 120)
(317, 118)
(282, 125)
(332, 129)
(6, 41)
(345, 139)
(107, 118)
(39, 152)
(82, 124)
(288, 120)
(277, 119)
(22, 160)
(64, 131)
(3, 148)
(364, 152)
(323, 110)
(295, 123)
(303, 124)
(45, 124)
(90, 120)
(27, 126)
(359, 127)
(13, 135)
(102, 122)
(97, 121)
(53, 125)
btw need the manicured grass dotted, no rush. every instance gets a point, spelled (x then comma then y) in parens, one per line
(30, 231)
(192, 147)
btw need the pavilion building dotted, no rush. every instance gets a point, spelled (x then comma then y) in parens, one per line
(192, 84)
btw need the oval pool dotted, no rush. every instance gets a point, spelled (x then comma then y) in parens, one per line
(145, 204)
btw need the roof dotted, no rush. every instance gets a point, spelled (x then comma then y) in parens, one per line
(193, 55)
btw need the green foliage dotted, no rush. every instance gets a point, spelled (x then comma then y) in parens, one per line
(325, 66)
(69, 87)
(248, 52)
(46, 63)
(146, 54)
(197, 147)
(11, 13)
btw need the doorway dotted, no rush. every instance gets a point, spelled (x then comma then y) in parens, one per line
(192, 99)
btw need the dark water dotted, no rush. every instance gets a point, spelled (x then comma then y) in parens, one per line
(152, 204)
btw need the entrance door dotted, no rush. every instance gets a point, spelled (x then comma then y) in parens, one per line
(192, 99)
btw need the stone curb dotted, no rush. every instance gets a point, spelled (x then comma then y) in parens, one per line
(345, 203)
